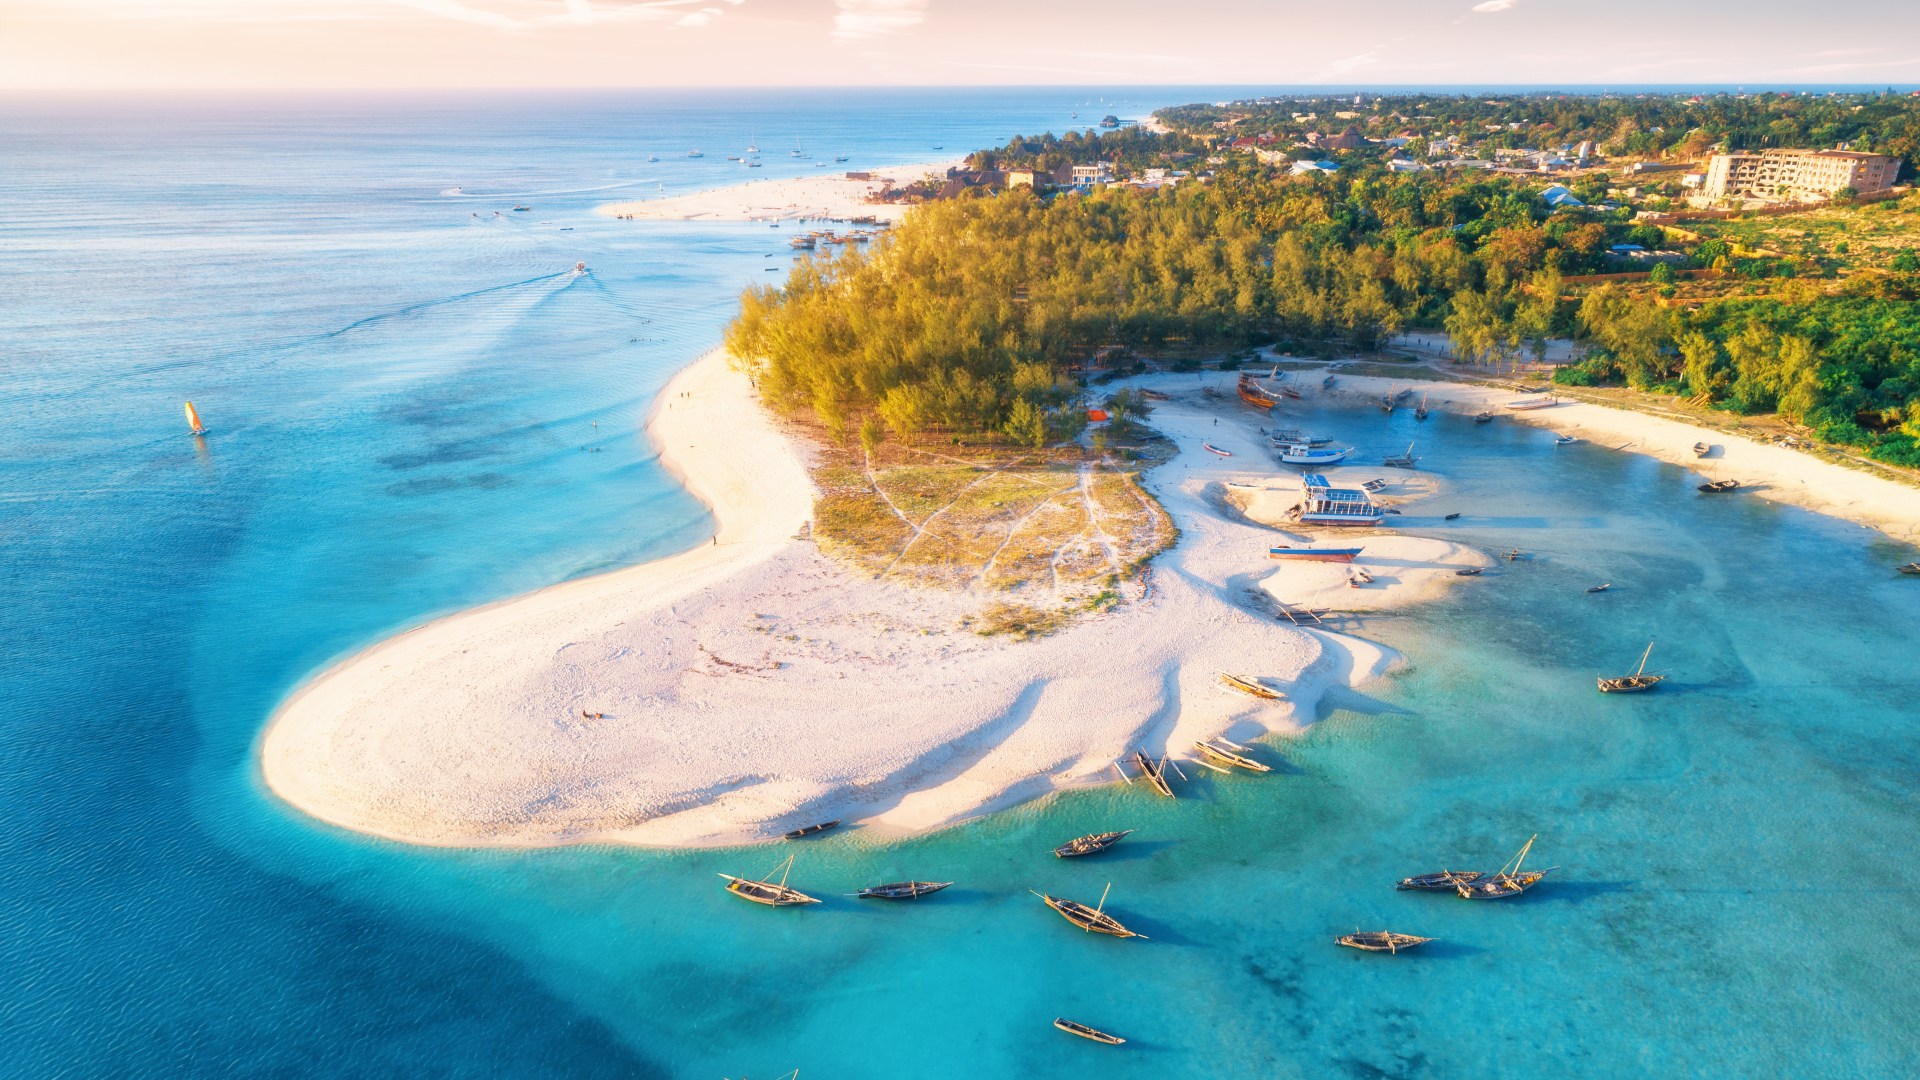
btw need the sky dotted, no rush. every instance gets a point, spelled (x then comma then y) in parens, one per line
(378, 44)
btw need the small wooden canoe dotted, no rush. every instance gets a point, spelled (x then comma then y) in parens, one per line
(1701, 449)
(1227, 756)
(902, 890)
(1442, 880)
(1469, 571)
(1601, 588)
(1089, 845)
(1086, 1032)
(1210, 448)
(1482, 418)
(1248, 685)
(1094, 920)
(1380, 941)
(1910, 568)
(1154, 774)
(809, 830)
(1451, 517)
(1719, 486)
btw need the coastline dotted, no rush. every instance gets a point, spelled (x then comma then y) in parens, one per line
(1775, 473)
(825, 195)
(755, 685)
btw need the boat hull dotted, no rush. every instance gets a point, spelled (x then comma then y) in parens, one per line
(1339, 555)
(1343, 521)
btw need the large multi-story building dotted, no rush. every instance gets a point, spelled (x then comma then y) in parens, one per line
(1774, 174)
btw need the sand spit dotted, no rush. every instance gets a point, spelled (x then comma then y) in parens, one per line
(754, 685)
(826, 195)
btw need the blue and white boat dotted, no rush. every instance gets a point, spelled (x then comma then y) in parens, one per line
(1323, 504)
(1307, 454)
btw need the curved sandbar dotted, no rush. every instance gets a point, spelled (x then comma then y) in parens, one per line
(755, 685)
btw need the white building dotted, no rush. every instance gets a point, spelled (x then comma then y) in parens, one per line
(1778, 173)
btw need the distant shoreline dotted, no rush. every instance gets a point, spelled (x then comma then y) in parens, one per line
(827, 194)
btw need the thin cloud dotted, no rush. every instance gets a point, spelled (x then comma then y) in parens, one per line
(861, 19)
(1489, 7)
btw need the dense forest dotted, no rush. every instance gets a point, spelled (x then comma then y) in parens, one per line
(980, 314)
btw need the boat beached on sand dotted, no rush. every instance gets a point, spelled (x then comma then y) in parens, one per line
(809, 830)
(1719, 487)
(1311, 554)
(1323, 504)
(1229, 753)
(1255, 394)
(1248, 685)
(1304, 454)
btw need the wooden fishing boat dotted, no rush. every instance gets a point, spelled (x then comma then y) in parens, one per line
(1219, 749)
(1910, 568)
(1719, 486)
(1565, 440)
(1212, 449)
(1403, 395)
(1538, 402)
(1384, 941)
(1509, 880)
(1154, 395)
(1469, 571)
(1515, 555)
(1358, 576)
(1421, 412)
(1086, 1032)
(1250, 686)
(1327, 383)
(1386, 404)
(1443, 880)
(809, 830)
(1313, 554)
(1601, 588)
(1094, 920)
(1155, 773)
(768, 892)
(1254, 394)
(1401, 461)
(1701, 449)
(1088, 845)
(1451, 517)
(1639, 680)
(902, 890)
(1481, 418)
(1288, 391)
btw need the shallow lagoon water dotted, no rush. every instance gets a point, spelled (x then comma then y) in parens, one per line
(404, 405)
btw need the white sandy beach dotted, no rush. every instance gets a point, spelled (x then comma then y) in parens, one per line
(828, 194)
(754, 685)
(1765, 471)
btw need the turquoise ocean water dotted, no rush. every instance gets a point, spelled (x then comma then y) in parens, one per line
(415, 408)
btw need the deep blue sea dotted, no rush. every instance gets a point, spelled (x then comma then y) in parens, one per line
(416, 407)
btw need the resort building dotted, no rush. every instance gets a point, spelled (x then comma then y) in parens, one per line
(1778, 173)
(1085, 177)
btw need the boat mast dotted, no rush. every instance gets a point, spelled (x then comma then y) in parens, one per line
(1643, 660)
(1103, 898)
(785, 869)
